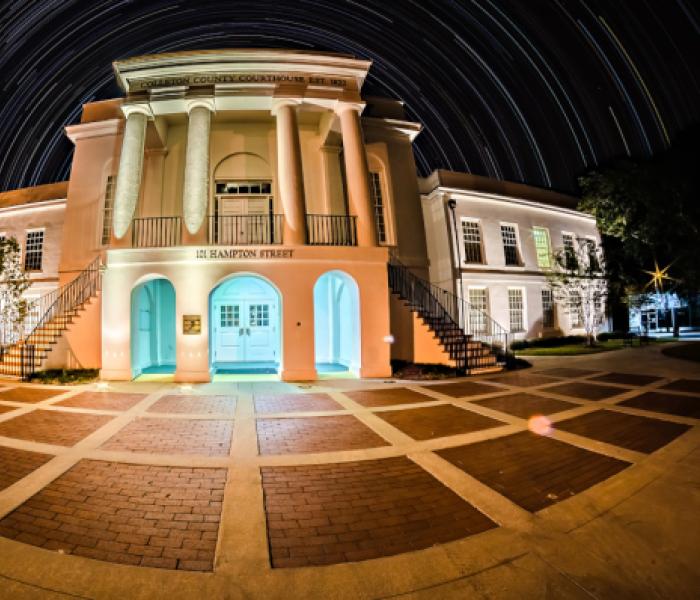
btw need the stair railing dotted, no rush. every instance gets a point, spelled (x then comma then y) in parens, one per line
(475, 323)
(63, 305)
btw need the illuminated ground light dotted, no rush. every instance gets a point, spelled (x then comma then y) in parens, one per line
(540, 425)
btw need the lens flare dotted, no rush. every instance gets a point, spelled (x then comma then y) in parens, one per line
(539, 424)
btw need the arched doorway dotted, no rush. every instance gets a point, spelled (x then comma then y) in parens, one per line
(153, 327)
(244, 336)
(336, 323)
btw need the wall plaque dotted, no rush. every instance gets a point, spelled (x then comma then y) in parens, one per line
(191, 324)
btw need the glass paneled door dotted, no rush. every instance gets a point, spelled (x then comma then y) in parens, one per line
(245, 332)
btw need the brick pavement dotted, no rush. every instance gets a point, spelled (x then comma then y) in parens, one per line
(567, 372)
(523, 379)
(683, 385)
(586, 391)
(672, 404)
(462, 389)
(16, 464)
(103, 400)
(437, 421)
(151, 516)
(315, 434)
(324, 514)
(52, 427)
(641, 434)
(203, 405)
(29, 395)
(279, 403)
(626, 378)
(525, 405)
(531, 470)
(206, 437)
(388, 397)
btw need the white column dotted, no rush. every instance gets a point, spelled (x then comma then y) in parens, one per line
(195, 191)
(290, 179)
(357, 173)
(130, 167)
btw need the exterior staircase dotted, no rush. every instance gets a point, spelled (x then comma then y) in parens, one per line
(58, 310)
(471, 338)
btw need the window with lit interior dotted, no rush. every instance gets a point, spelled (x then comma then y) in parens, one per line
(542, 248)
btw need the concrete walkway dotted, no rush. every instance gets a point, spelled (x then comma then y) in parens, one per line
(577, 478)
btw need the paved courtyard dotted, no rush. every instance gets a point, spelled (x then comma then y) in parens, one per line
(576, 478)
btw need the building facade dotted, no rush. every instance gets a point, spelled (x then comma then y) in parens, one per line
(244, 207)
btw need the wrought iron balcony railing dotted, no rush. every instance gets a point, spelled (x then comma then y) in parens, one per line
(156, 232)
(331, 230)
(245, 230)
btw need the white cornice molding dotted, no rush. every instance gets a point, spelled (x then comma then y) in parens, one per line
(406, 128)
(29, 206)
(462, 194)
(95, 129)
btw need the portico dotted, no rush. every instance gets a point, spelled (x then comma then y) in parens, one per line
(261, 187)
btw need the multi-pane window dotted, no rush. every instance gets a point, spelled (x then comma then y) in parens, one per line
(471, 236)
(108, 210)
(515, 310)
(34, 250)
(542, 249)
(591, 249)
(243, 187)
(547, 309)
(569, 251)
(576, 310)
(477, 310)
(510, 244)
(230, 315)
(378, 203)
(259, 315)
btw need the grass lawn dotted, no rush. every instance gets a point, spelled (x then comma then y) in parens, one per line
(572, 349)
(575, 349)
(690, 351)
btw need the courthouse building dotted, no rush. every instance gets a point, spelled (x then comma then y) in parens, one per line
(249, 211)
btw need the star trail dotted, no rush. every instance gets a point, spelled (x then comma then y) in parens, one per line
(534, 91)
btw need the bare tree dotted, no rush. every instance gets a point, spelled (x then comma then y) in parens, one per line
(578, 284)
(13, 283)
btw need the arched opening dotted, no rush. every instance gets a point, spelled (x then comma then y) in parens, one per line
(336, 323)
(153, 327)
(245, 329)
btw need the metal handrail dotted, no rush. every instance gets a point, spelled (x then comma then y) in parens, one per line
(436, 303)
(331, 230)
(66, 301)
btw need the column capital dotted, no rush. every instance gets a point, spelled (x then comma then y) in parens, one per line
(342, 107)
(278, 103)
(208, 103)
(141, 108)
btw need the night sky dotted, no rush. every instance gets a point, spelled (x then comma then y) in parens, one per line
(524, 90)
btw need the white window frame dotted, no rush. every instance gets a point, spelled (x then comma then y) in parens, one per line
(380, 187)
(554, 309)
(523, 299)
(101, 231)
(518, 249)
(576, 316)
(591, 240)
(24, 255)
(462, 241)
(549, 246)
(486, 309)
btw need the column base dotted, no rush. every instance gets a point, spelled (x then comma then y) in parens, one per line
(299, 375)
(193, 376)
(376, 372)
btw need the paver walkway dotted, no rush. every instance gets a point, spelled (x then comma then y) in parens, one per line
(501, 486)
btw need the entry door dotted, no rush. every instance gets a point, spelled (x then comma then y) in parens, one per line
(244, 220)
(229, 333)
(245, 332)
